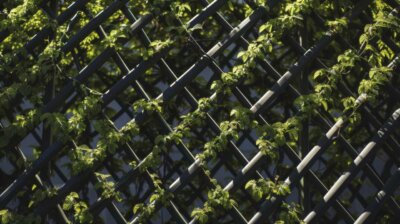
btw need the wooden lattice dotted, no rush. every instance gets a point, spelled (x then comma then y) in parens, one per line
(195, 111)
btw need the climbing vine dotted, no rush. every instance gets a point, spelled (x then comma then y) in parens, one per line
(93, 80)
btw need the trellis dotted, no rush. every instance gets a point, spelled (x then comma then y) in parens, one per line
(361, 189)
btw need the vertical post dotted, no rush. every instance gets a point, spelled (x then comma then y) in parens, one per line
(305, 197)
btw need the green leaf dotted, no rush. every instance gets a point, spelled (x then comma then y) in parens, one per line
(321, 73)
(196, 27)
(200, 215)
(154, 197)
(137, 208)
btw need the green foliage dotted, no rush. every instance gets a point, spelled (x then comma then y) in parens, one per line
(267, 188)
(129, 131)
(49, 65)
(148, 106)
(107, 187)
(261, 3)
(276, 135)
(241, 119)
(218, 198)
(155, 47)
(377, 78)
(80, 208)
(89, 107)
(290, 214)
(8, 217)
(82, 158)
(40, 194)
(253, 51)
(338, 25)
(267, 148)
(308, 104)
(111, 40)
(181, 9)
(70, 201)
(57, 123)
(383, 21)
(159, 195)
(19, 126)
